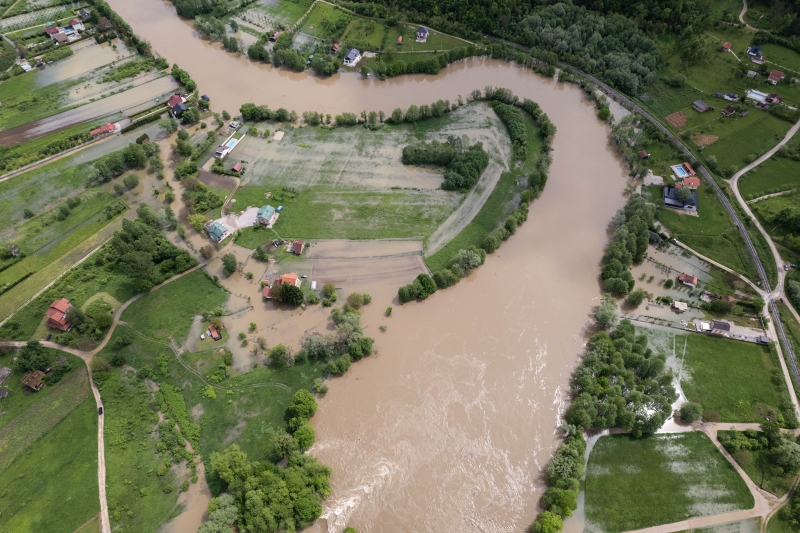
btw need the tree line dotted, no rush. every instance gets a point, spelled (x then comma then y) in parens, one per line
(628, 244)
(464, 166)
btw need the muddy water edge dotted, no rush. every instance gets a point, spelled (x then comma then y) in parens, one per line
(447, 427)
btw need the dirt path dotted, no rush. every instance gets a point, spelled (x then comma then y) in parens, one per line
(755, 287)
(741, 16)
(15, 48)
(754, 200)
(467, 211)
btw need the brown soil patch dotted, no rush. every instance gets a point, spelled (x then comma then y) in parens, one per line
(701, 139)
(677, 119)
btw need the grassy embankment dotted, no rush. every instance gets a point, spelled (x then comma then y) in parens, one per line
(248, 416)
(776, 175)
(48, 467)
(712, 364)
(500, 204)
(625, 476)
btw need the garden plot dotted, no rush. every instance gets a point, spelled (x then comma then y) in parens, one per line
(683, 472)
(36, 17)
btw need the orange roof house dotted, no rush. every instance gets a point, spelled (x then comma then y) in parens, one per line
(689, 183)
(687, 279)
(726, 47)
(57, 315)
(290, 279)
(214, 333)
(105, 128)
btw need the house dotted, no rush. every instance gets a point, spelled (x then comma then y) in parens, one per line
(335, 47)
(105, 128)
(5, 373)
(731, 97)
(274, 36)
(14, 250)
(744, 113)
(266, 215)
(289, 279)
(719, 94)
(34, 380)
(213, 333)
(52, 30)
(700, 106)
(754, 52)
(671, 199)
(216, 231)
(762, 106)
(352, 58)
(688, 280)
(76, 24)
(178, 110)
(57, 315)
(399, 40)
(752, 73)
(297, 247)
(720, 327)
(60, 38)
(728, 111)
(726, 47)
(174, 100)
(775, 76)
(103, 24)
(654, 238)
(690, 183)
(237, 167)
(774, 98)
(679, 307)
(265, 292)
(84, 13)
(730, 299)
(422, 34)
(643, 154)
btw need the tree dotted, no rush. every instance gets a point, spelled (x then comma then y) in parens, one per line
(226, 115)
(279, 356)
(720, 307)
(131, 181)
(168, 124)
(292, 295)
(184, 148)
(606, 313)
(424, 286)
(303, 405)
(134, 156)
(305, 435)
(355, 300)
(668, 284)
(207, 251)
(548, 522)
(691, 412)
(604, 113)
(635, 298)
(329, 291)
(33, 356)
(229, 264)
(27, 213)
(787, 456)
(684, 194)
(197, 221)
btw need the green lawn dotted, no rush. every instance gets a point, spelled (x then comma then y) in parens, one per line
(777, 174)
(52, 485)
(24, 103)
(331, 14)
(285, 11)
(683, 472)
(367, 31)
(740, 137)
(169, 311)
(435, 41)
(713, 363)
(784, 58)
(731, 8)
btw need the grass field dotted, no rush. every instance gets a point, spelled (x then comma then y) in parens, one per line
(683, 472)
(741, 137)
(285, 11)
(169, 311)
(711, 364)
(323, 12)
(28, 418)
(23, 102)
(137, 501)
(52, 485)
(784, 58)
(366, 31)
(779, 525)
(767, 209)
(777, 174)
(44, 239)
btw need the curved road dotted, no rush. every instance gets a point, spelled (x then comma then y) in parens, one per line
(741, 16)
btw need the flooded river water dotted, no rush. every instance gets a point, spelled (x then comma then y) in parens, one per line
(448, 426)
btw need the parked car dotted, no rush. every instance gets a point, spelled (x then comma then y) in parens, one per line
(100, 410)
(48, 336)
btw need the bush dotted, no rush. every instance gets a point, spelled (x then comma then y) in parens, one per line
(229, 264)
(635, 298)
(691, 412)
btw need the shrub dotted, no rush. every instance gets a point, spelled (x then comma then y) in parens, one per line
(691, 412)
(229, 264)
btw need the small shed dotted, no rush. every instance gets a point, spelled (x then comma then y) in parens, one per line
(726, 47)
(680, 307)
(643, 154)
(399, 40)
(3, 394)
(728, 111)
(237, 167)
(700, 106)
(752, 73)
(5, 373)
(34, 380)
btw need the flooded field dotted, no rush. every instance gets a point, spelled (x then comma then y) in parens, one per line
(445, 428)
(116, 105)
(87, 56)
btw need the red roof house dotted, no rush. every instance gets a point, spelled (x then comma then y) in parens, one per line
(726, 47)
(687, 279)
(291, 279)
(237, 167)
(52, 30)
(399, 40)
(297, 247)
(689, 183)
(174, 100)
(775, 76)
(57, 315)
(105, 128)
(214, 333)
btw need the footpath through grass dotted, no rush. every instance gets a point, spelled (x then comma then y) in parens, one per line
(684, 473)
(712, 364)
(52, 486)
(777, 174)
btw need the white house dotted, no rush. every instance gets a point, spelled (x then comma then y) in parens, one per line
(352, 58)
(422, 34)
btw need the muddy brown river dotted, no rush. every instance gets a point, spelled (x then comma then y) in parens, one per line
(446, 429)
